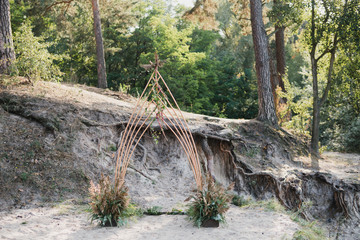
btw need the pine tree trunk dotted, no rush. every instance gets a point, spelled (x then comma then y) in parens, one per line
(280, 54)
(101, 67)
(265, 96)
(7, 54)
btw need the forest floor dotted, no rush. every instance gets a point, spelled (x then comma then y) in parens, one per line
(55, 138)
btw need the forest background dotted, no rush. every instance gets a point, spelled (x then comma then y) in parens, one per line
(207, 55)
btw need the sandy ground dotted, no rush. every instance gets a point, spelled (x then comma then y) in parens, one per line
(71, 222)
(343, 165)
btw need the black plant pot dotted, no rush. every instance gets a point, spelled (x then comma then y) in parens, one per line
(210, 223)
(112, 224)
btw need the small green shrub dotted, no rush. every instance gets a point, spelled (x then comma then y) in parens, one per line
(24, 176)
(240, 200)
(131, 211)
(113, 148)
(270, 205)
(155, 210)
(109, 203)
(175, 211)
(210, 203)
(33, 59)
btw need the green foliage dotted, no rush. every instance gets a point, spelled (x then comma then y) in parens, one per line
(240, 201)
(299, 102)
(175, 211)
(155, 210)
(132, 211)
(309, 230)
(287, 12)
(200, 65)
(352, 136)
(210, 203)
(109, 203)
(33, 59)
(340, 124)
(271, 205)
(24, 176)
(112, 148)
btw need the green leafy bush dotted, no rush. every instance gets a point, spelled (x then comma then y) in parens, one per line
(109, 203)
(210, 203)
(33, 59)
(240, 200)
(155, 210)
(352, 136)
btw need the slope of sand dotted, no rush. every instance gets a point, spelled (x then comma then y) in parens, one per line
(73, 223)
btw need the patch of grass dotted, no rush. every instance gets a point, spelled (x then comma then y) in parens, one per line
(5, 156)
(112, 148)
(175, 211)
(310, 230)
(155, 210)
(271, 205)
(8, 80)
(64, 209)
(30, 154)
(240, 201)
(71, 206)
(36, 145)
(67, 190)
(130, 213)
(24, 176)
(252, 152)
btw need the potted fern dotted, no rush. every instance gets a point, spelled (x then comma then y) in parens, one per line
(108, 202)
(209, 204)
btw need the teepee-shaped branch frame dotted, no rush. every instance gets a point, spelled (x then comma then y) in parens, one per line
(154, 106)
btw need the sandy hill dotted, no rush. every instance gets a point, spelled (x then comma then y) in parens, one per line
(55, 138)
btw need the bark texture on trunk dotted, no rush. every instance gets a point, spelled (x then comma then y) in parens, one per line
(101, 67)
(280, 54)
(266, 99)
(316, 105)
(316, 109)
(7, 54)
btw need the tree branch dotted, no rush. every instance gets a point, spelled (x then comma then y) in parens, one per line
(331, 66)
(326, 51)
(58, 3)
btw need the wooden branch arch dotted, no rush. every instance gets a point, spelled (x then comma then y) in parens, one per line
(154, 105)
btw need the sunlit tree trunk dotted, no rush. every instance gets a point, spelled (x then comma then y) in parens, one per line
(7, 54)
(266, 100)
(278, 69)
(101, 67)
(280, 54)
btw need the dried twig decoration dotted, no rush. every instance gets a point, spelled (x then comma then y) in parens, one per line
(154, 105)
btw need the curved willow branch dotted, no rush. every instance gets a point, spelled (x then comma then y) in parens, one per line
(156, 106)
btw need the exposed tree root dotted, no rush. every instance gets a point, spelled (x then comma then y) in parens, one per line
(140, 172)
(209, 157)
